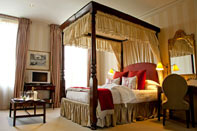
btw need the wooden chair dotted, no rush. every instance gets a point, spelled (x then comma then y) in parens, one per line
(175, 88)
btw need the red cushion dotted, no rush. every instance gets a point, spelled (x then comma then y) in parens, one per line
(141, 75)
(120, 74)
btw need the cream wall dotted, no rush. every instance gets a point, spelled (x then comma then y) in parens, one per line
(40, 41)
(179, 15)
(39, 36)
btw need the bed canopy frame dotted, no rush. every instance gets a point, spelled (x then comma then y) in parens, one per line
(92, 8)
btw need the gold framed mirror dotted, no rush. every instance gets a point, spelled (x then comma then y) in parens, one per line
(182, 53)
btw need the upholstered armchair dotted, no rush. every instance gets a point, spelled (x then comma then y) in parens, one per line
(175, 88)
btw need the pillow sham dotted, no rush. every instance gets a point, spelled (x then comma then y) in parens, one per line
(151, 85)
(151, 82)
(130, 82)
(141, 76)
(115, 81)
(120, 74)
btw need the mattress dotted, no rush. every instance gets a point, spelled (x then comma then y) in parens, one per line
(139, 96)
(78, 96)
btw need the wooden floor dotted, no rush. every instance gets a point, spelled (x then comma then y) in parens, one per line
(54, 122)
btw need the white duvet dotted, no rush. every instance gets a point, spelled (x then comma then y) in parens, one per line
(124, 94)
(120, 94)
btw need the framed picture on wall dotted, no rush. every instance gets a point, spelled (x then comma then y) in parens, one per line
(38, 60)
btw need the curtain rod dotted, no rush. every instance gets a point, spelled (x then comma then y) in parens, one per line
(11, 17)
(106, 38)
(8, 16)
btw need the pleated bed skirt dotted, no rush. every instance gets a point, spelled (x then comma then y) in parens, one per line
(79, 113)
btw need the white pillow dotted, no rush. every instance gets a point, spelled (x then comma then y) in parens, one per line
(130, 82)
(151, 85)
(115, 81)
(151, 82)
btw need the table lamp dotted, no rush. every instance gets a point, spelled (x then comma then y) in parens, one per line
(111, 72)
(175, 67)
(159, 67)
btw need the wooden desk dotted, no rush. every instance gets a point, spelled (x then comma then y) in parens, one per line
(192, 89)
(50, 88)
(20, 104)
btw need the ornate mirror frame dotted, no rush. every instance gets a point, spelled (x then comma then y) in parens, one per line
(181, 35)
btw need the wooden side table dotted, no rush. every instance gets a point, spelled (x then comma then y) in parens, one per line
(16, 104)
(50, 88)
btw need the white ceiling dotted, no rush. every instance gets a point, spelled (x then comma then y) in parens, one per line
(57, 11)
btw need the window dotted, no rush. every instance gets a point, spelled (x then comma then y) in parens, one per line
(8, 33)
(76, 60)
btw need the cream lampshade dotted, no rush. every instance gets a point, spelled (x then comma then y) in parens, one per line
(111, 72)
(175, 68)
(159, 67)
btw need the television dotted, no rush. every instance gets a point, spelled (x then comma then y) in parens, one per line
(37, 77)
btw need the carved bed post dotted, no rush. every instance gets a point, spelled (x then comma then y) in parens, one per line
(121, 57)
(93, 78)
(62, 80)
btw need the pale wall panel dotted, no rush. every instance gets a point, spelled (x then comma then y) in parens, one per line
(39, 37)
(177, 16)
(40, 41)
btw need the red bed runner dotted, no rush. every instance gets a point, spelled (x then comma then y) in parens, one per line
(104, 96)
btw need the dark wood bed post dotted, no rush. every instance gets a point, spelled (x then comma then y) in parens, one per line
(93, 78)
(121, 57)
(62, 80)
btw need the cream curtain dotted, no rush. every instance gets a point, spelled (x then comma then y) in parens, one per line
(154, 45)
(119, 28)
(142, 51)
(56, 52)
(77, 30)
(106, 25)
(142, 42)
(21, 54)
(101, 44)
(137, 52)
(104, 62)
(117, 52)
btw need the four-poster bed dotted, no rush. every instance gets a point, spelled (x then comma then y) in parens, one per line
(99, 27)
